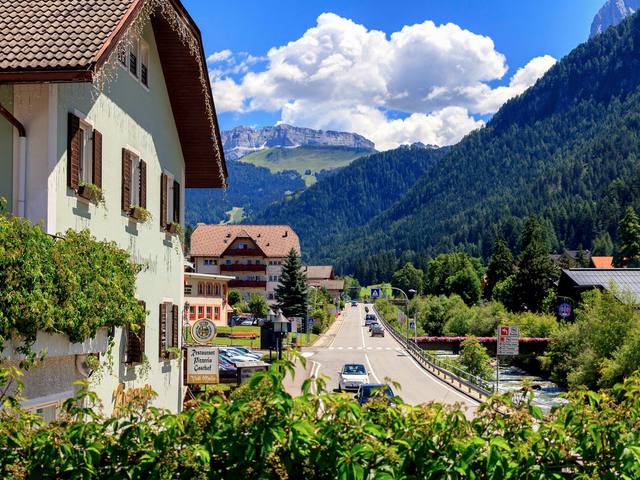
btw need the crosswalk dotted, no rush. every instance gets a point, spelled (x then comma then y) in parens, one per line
(365, 348)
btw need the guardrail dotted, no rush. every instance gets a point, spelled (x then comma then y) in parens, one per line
(463, 381)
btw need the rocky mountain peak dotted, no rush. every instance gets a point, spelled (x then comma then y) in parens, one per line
(612, 13)
(242, 140)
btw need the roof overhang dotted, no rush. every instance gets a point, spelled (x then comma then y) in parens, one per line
(188, 86)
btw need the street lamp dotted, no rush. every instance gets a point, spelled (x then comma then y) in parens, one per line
(411, 291)
(280, 328)
(315, 297)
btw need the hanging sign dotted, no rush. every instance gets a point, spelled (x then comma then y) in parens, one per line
(203, 330)
(202, 365)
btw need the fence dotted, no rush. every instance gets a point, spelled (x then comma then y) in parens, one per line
(471, 385)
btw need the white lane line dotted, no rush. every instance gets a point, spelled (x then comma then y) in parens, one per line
(366, 357)
(330, 348)
(349, 348)
(378, 348)
(359, 348)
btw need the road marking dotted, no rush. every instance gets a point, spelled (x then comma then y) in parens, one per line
(378, 348)
(349, 348)
(330, 348)
(366, 357)
(308, 354)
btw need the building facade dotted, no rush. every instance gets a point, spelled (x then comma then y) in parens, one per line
(253, 254)
(113, 95)
(206, 296)
(323, 276)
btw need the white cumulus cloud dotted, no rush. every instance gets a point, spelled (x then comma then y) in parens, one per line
(340, 75)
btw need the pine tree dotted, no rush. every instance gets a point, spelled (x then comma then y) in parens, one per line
(291, 293)
(500, 266)
(628, 240)
(536, 273)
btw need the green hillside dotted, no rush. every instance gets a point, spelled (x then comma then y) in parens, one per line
(304, 159)
(567, 149)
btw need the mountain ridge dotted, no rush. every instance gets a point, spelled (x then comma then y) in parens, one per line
(612, 13)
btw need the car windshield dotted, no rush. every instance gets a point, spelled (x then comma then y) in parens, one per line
(376, 390)
(354, 370)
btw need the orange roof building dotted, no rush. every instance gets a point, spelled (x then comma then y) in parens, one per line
(254, 254)
(602, 262)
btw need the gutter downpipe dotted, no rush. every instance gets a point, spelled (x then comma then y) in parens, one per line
(22, 158)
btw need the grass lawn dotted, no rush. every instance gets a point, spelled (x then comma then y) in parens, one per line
(248, 342)
(302, 159)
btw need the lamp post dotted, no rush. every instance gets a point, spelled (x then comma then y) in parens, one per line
(280, 328)
(271, 316)
(185, 320)
(411, 291)
(315, 297)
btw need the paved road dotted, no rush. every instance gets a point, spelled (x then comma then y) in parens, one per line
(385, 359)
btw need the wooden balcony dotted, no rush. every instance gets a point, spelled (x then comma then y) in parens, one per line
(247, 284)
(237, 267)
(243, 252)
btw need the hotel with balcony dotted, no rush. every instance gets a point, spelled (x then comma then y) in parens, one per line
(253, 254)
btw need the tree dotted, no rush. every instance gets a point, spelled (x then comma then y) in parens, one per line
(474, 358)
(234, 298)
(408, 278)
(536, 273)
(257, 306)
(500, 266)
(291, 292)
(455, 273)
(603, 245)
(628, 240)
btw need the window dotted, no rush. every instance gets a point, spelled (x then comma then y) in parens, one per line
(209, 289)
(169, 200)
(168, 329)
(209, 312)
(209, 262)
(144, 63)
(134, 182)
(135, 343)
(216, 289)
(271, 296)
(200, 288)
(217, 313)
(133, 57)
(187, 289)
(192, 312)
(200, 311)
(227, 262)
(84, 155)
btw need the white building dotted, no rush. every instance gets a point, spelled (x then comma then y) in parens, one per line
(254, 254)
(113, 93)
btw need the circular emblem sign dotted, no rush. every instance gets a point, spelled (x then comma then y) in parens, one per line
(203, 330)
(565, 310)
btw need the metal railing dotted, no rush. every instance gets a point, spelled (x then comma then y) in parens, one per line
(471, 385)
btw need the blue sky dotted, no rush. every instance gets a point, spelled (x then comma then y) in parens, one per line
(520, 31)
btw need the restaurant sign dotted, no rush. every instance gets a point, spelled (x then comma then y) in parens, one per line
(202, 365)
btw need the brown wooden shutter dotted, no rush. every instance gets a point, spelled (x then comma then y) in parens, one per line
(163, 331)
(135, 342)
(143, 184)
(175, 325)
(176, 202)
(73, 152)
(97, 158)
(163, 201)
(126, 180)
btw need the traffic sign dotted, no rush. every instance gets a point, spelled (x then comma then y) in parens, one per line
(375, 293)
(508, 340)
(412, 324)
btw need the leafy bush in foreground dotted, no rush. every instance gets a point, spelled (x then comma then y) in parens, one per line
(262, 432)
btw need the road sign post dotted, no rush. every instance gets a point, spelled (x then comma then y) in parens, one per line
(508, 344)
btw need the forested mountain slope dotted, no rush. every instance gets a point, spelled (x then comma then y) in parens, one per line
(567, 149)
(352, 196)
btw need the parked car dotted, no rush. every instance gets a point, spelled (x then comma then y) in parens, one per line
(369, 318)
(354, 303)
(377, 330)
(247, 351)
(374, 390)
(352, 376)
(247, 322)
(235, 356)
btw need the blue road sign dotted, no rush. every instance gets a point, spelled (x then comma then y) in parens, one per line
(375, 293)
(412, 325)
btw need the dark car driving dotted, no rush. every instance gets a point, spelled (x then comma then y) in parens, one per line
(373, 390)
(377, 330)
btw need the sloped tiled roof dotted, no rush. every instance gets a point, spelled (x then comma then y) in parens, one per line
(56, 34)
(626, 280)
(213, 240)
(328, 284)
(602, 262)
(70, 40)
(319, 271)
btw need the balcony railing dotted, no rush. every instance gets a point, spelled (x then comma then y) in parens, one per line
(237, 267)
(243, 252)
(247, 284)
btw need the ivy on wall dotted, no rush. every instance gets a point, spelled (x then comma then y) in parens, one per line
(73, 285)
